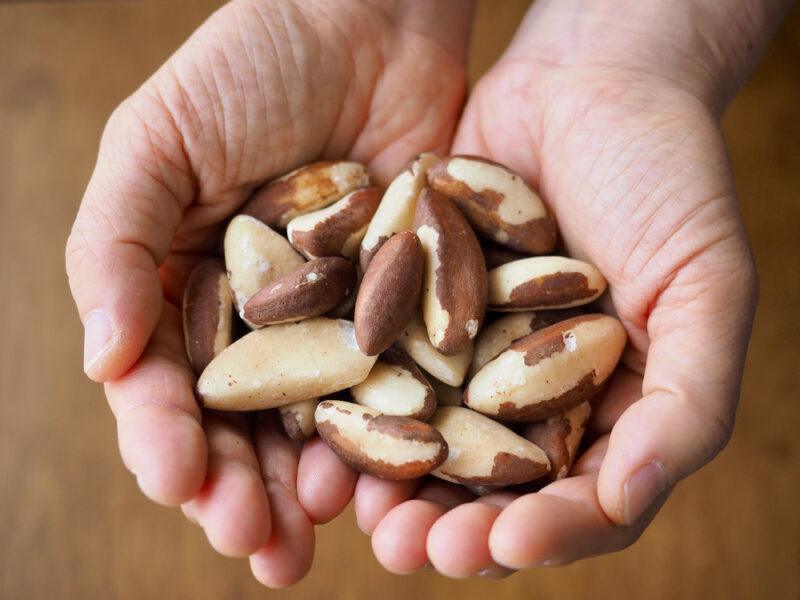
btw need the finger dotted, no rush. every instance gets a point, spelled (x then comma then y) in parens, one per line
(375, 497)
(458, 542)
(498, 499)
(445, 493)
(399, 539)
(559, 525)
(324, 483)
(161, 439)
(232, 507)
(624, 388)
(698, 331)
(123, 230)
(591, 460)
(287, 555)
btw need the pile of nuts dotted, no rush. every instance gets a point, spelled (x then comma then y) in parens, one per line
(369, 327)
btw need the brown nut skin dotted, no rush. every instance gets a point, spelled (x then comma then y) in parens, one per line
(298, 419)
(549, 371)
(207, 313)
(496, 255)
(389, 292)
(503, 208)
(336, 230)
(559, 436)
(309, 291)
(306, 189)
(454, 292)
(385, 446)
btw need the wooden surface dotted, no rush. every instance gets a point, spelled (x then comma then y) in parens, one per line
(72, 522)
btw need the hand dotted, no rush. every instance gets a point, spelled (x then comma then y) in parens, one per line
(261, 88)
(617, 127)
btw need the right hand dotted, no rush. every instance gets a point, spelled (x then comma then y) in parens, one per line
(259, 89)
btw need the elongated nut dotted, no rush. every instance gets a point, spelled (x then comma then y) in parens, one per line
(454, 289)
(336, 230)
(544, 282)
(254, 256)
(497, 202)
(389, 292)
(449, 369)
(305, 189)
(396, 386)
(396, 211)
(385, 446)
(498, 336)
(549, 371)
(483, 452)
(298, 419)
(446, 395)
(311, 290)
(281, 364)
(207, 310)
(559, 436)
(496, 255)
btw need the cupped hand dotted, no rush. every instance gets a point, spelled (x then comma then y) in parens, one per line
(259, 89)
(617, 127)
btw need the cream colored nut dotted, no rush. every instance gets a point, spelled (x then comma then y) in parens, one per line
(396, 386)
(497, 202)
(544, 282)
(386, 446)
(484, 452)
(389, 292)
(336, 230)
(449, 369)
(298, 419)
(446, 395)
(305, 189)
(207, 311)
(311, 290)
(559, 437)
(549, 371)
(498, 335)
(254, 256)
(396, 211)
(454, 284)
(281, 364)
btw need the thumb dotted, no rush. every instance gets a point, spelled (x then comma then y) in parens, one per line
(699, 329)
(123, 231)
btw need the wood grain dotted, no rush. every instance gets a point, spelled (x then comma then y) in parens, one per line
(72, 522)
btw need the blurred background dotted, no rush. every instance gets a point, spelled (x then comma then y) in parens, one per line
(72, 521)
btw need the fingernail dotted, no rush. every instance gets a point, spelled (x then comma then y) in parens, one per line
(495, 572)
(98, 338)
(647, 482)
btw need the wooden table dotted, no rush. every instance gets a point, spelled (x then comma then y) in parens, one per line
(72, 522)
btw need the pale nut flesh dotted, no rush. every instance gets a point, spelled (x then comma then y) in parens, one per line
(396, 386)
(306, 189)
(544, 282)
(396, 210)
(549, 371)
(385, 446)
(483, 452)
(207, 312)
(559, 436)
(298, 419)
(282, 364)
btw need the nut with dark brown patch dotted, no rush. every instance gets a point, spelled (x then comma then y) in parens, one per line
(549, 371)
(298, 419)
(497, 202)
(309, 291)
(559, 436)
(389, 292)
(336, 230)
(207, 311)
(496, 255)
(396, 211)
(396, 386)
(544, 282)
(454, 287)
(385, 446)
(484, 452)
(305, 189)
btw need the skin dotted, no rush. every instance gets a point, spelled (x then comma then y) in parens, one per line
(614, 121)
